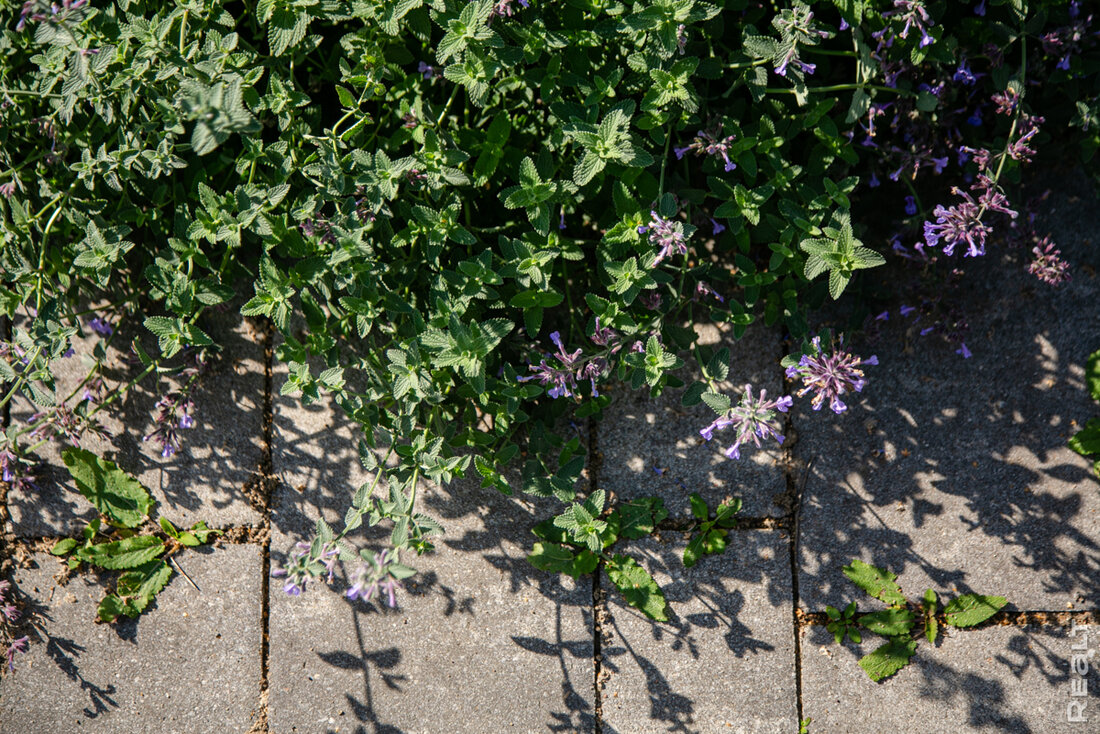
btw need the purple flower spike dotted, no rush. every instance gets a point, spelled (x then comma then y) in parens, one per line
(753, 418)
(830, 375)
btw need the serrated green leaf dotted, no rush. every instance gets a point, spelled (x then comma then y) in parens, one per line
(138, 587)
(971, 609)
(720, 404)
(888, 622)
(114, 493)
(126, 553)
(877, 582)
(888, 659)
(637, 587)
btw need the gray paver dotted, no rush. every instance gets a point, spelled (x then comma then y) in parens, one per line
(203, 481)
(955, 473)
(640, 434)
(995, 679)
(480, 640)
(724, 662)
(189, 664)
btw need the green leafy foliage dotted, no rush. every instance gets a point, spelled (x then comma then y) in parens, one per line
(120, 497)
(125, 504)
(709, 535)
(902, 623)
(637, 587)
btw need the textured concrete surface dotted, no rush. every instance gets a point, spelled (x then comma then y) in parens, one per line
(218, 457)
(995, 679)
(653, 447)
(725, 661)
(480, 640)
(954, 473)
(189, 664)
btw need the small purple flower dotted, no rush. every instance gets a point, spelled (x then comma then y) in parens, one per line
(830, 375)
(17, 646)
(966, 354)
(843, 25)
(7, 189)
(980, 9)
(561, 219)
(8, 466)
(101, 326)
(707, 142)
(718, 227)
(884, 316)
(906, 310)
(752, 418)
(667, 234)
(874, 183)
(910, 205)
(1048, 265)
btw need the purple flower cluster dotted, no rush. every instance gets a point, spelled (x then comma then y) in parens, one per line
(504, 9)
(707, 142)
(667, 234)
(9, 614)
(914, 16)
(1068, 41)
(174, 413)
(374, 577)
(295, 572)
(753, 418)
(562, 377)
(963, 222)
(60, 420)
(829, 375)
(36, 11)
(1048, 265)
(319, 227)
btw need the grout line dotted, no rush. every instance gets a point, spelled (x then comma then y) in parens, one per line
(595, 462)
(1028, 618)
(794, 494)
(266, 485)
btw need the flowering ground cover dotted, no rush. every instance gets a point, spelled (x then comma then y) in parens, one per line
(363, 360)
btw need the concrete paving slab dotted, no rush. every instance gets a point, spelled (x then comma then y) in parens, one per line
(652, 447)
(954, 473)
(189, 664)
(480, 640)
(994, 679)
(724, 662)
(203, 481)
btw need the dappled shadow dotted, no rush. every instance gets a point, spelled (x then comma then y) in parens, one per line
(954, 473)
(218, 457)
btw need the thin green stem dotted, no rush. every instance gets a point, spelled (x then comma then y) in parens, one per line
(748, 64)
(842, 88)
(664, 164)
(447, 107)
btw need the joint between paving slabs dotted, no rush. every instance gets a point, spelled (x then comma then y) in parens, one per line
(266, 488)
(599, 609)
(792, 502)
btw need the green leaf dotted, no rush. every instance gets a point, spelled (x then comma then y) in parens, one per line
(138, 587)
(126, 553)
(694, 551)
(888, 622)
(698, 506)
(640, 517)
(929, 606)
(637, 587)
(877, 582)
(971, 609)
(1087, 440)
(286, 29)
(63, 546)
(888, 659)
(720, 404)
(111, 607)
(114, 493)
(551, 557)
